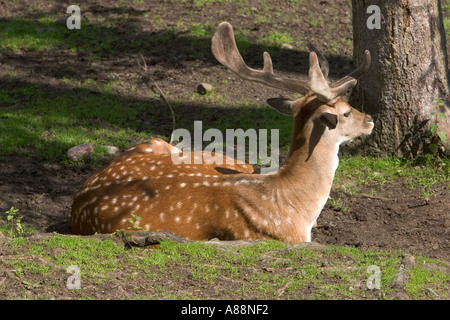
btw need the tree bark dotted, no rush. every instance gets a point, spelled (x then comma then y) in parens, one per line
(409, 70)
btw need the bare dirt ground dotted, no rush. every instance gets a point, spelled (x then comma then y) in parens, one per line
(395, 217)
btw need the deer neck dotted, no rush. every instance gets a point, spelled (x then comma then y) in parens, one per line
(314, 149)
(303, 184)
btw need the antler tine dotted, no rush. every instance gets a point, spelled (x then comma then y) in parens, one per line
(226, 52)
(317, 82)
(338, 88)
(324, 66)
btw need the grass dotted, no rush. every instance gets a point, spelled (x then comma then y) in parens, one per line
(421, 278)
(268, 270)
(46, 122)
(203, 3)
(276, 39)
(20, 33)
(49, 125)
(357, 171)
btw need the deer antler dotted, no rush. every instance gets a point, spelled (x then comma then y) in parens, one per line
(226, 52)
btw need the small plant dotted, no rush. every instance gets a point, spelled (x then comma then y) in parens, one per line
(313, 22)
(12, 216)
(337, 204)
(276, 39)
(436, 136)
(134, 220)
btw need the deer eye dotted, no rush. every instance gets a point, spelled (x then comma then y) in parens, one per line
(347, 114)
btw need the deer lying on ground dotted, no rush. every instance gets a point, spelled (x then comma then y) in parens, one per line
(199, 202)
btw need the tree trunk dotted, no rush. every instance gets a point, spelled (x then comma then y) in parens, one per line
(408, 73)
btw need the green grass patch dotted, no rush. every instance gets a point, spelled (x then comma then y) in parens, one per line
(422, 280)
(380, 170)
(46, 124)
(92, 256)
(203, 3)
(45, 34)
(275, 39)
(268, 269)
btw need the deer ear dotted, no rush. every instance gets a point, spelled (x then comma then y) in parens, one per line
(328, 119)
(285, 106)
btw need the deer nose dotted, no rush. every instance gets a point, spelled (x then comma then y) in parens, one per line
(369, 118)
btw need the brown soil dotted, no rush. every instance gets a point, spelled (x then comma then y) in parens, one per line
(396, 218)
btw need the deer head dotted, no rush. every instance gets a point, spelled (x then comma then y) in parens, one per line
(200, 202)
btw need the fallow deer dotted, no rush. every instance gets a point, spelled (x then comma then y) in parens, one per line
(199, 202)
